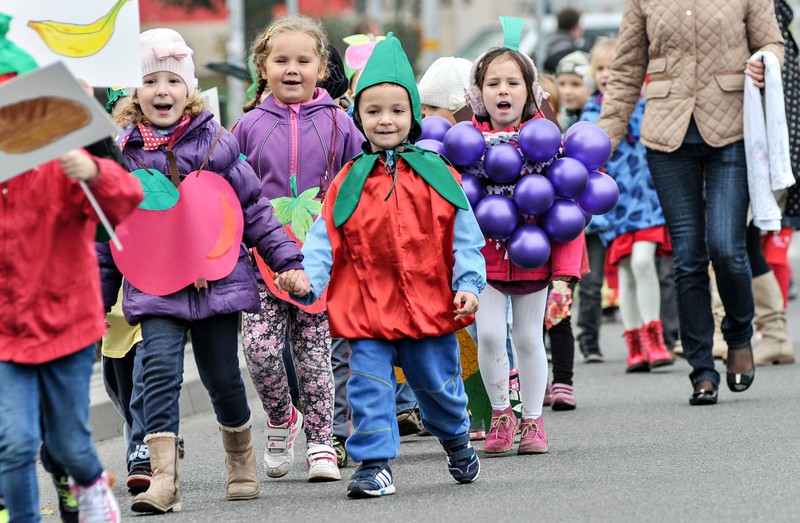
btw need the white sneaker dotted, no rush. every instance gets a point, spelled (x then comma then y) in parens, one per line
(322, 464)
(279, 454)
(96, 503)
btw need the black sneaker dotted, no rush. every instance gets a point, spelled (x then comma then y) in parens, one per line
(463, 463)
(341, 451)
(139, 479)
(67, 503)
(590, 349)
(371, 480)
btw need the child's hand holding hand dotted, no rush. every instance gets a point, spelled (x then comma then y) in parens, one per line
(79, 166)
(294, 281)
(466, 303)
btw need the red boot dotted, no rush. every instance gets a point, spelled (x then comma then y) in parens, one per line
(653, 343)
(637, 355)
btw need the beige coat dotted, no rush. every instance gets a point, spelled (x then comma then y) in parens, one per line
(694, 53)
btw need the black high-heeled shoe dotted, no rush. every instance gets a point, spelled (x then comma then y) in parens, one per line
(705, 393)
(740, 381)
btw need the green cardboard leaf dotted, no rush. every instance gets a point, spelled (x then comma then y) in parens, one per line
(478, 400)
(159, 193)
(309, 194)
(301, 222)
(283, 208)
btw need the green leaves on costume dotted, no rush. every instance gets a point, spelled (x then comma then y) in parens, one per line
(429, 165)
(159, 192)
(297, 211)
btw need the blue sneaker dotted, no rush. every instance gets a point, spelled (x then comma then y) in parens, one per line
(371, 480)
(463, 464)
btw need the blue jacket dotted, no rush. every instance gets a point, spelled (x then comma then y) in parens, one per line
(238, 291)
(638, 207)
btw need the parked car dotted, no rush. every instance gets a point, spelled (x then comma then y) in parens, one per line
(594, 25)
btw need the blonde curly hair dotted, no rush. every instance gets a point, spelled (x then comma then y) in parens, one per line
(128, 112)
(262, 45)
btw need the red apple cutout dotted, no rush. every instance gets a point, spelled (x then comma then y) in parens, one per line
(296, 214)
(196, 240)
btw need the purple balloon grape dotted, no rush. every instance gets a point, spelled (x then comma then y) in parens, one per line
(434, 128)
(587, 216)
(577, 125)
(497, 216)
(534, 194)
(473, 188)
(464, 144)
(431, 145)
(589, 144)
(539, 140)
(503, 163)
(568, 176)
(564, 221)
(529, 247)
(601, 194)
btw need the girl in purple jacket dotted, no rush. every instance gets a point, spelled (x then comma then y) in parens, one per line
(296, 138)
(168, 130)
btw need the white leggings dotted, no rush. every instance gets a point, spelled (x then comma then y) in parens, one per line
(639, 291)
(527, 333)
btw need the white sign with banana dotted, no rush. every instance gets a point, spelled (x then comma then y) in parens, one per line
(98, 40)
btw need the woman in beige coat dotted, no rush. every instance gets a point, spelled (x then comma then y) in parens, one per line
(695, 55)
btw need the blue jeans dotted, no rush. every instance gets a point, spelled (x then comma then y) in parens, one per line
(54, 395)
(703, 192)
(157, 386)
(405, 397)
(432, 367)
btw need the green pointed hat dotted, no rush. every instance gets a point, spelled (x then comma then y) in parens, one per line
(388, 63)
(12, 58)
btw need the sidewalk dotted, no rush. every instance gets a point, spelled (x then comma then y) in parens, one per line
(106, 422)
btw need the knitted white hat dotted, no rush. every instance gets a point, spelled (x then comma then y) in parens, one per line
(445, 82)
(577, 63)
(165, 50)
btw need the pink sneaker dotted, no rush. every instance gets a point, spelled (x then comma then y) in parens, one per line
(500, 437)
(96, 503)
(534, 438)
(564, 397)
(548, 396)
(279, 454)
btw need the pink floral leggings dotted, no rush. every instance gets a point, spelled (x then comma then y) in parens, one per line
(264, 336)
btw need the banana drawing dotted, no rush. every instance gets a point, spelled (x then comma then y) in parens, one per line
(75, 40)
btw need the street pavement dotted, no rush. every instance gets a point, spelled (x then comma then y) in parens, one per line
(633, 451)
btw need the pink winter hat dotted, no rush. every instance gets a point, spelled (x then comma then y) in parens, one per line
(165, 50)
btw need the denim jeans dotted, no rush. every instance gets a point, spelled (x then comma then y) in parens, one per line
(157, 386)
(405, 398)
(703, 192)
(54, 395)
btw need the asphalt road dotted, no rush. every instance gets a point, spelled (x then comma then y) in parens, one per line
(634, 450)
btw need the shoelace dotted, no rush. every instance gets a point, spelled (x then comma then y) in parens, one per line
(527, 427)
(502, 419)
(368, 472)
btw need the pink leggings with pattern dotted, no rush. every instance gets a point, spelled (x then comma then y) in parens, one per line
(264, 336)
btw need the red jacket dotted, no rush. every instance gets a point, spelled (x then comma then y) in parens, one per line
(393, 259)
(50, 301)
(565, 258)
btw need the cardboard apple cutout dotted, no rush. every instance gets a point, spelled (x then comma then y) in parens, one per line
(179, 237)
(296, 214)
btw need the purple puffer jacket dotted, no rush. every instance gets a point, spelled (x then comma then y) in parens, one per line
(317, 152)
(238, 291)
